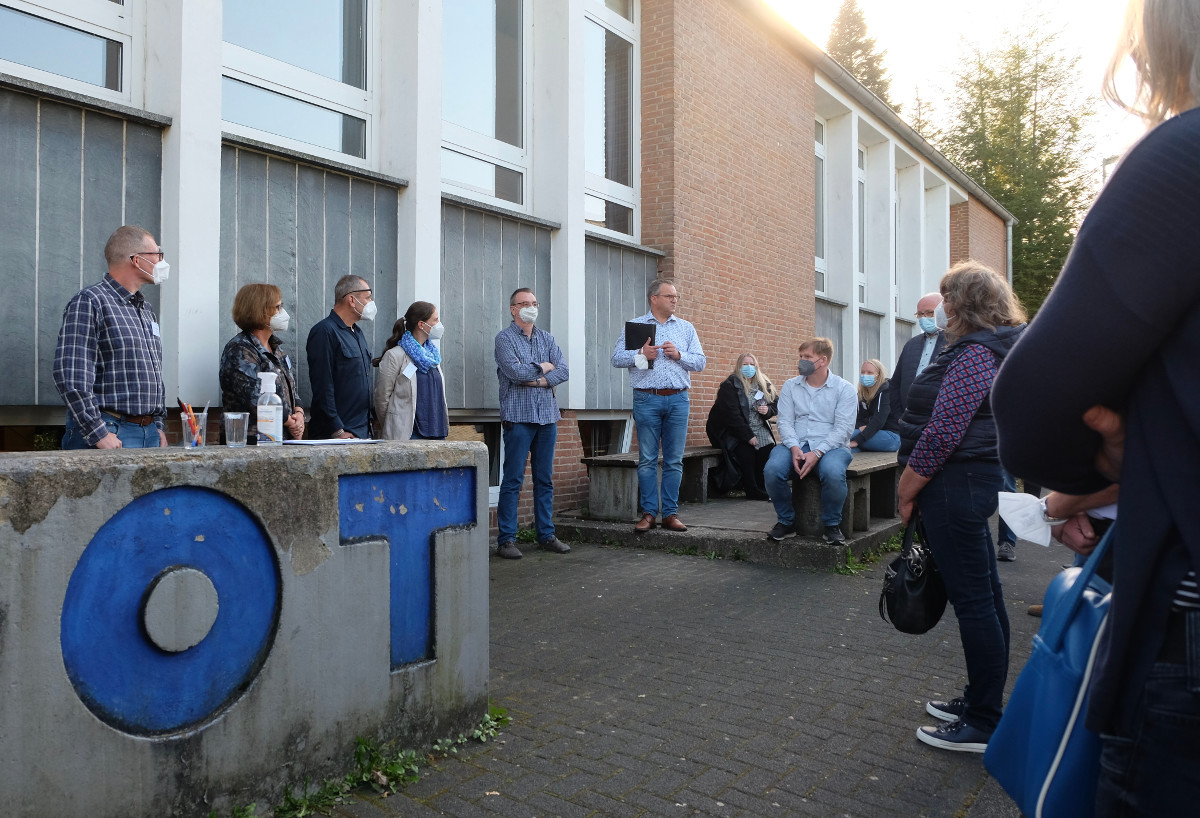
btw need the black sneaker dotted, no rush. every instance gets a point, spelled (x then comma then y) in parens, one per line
(947, 711)
(955, 735)
(833, 534)
(780, 531)
(1006, 552)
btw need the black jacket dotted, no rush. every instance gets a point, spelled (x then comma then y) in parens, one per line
(874, 414)
(979, 442)
(730, 415)
(339, 370)
(906, 372)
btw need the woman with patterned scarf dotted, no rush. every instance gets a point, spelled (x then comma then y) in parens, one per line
(410, 395)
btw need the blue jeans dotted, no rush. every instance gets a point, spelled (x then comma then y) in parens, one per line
(955, 507)
(831, 471)
(661, 421)
(131, 435)
(534, 441)
(881, 441)
(1005, 533)
(418, 436)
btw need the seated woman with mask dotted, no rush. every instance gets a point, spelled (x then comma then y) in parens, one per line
(737, 424)
(875, 430)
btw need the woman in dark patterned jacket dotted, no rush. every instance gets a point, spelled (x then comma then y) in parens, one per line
(258, 311)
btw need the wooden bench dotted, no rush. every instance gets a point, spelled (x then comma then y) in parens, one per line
(871, 482)
(613, 483)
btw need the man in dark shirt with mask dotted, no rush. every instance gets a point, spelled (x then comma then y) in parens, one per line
(339, 364)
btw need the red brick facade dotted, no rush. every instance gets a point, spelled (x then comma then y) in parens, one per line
(976, 232)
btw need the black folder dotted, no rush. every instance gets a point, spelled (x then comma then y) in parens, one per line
(636, 335)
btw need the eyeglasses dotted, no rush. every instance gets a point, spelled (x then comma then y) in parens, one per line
(671, 297)
(352, 292)
(150, 255)
(526, 304)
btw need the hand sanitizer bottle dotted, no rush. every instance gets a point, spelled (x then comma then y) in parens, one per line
(270, 411)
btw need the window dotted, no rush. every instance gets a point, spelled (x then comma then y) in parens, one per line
(297, 70)
(610, 113)
(483, 93)
(819, 178)
(601, 437)
(81, 47)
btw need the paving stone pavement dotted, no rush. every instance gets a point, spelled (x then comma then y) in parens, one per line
(655, 684)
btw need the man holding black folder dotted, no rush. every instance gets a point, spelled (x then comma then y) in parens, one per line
(659, 370)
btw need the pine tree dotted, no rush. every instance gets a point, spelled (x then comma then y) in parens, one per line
(850, 46)
(1018, 131)
(923, 119)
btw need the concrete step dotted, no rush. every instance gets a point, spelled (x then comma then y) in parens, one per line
(732, 529)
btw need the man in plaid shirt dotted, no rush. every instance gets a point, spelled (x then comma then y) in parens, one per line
(108, 363)
(529, 365)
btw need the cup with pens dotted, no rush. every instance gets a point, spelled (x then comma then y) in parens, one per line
(193, 426)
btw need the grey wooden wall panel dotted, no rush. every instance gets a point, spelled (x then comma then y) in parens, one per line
(18, 234)
(452, 308)
(314, 292)
(484, 258)
(386, 286)
(227, 282)
(68, 179)
(281, 244)
(309, 228)
(869, 328)
(362, 260)
(143, 180)
(829, 324)
(617, 278)
(59, 275)
(904, 331)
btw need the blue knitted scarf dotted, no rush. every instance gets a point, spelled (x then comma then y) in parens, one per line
(426, 356)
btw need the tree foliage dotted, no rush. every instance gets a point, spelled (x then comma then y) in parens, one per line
(850, 46)
(1018, 130)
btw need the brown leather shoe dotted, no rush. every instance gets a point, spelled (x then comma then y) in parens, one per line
(672, 523)
(644, 524)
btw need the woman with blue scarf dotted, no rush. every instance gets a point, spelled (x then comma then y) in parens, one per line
(410, 395)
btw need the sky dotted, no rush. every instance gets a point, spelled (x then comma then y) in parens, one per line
(924, 41)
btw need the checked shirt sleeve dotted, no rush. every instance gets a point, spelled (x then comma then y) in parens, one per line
(967, 381)
(75, 366)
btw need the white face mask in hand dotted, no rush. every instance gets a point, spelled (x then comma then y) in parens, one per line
(1023, 514)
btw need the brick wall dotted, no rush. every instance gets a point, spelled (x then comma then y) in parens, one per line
(727, 185)
(570, 476)
(976, 232)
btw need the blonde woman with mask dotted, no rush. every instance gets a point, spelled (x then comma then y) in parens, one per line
(738, 425)
(875, 430)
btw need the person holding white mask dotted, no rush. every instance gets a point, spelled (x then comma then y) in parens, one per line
(339, 364)
(258, 311)
(410, 393)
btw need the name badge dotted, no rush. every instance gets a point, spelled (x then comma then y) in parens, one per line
(409, 370)
(758, 395)
(287, 362)
(154, 329)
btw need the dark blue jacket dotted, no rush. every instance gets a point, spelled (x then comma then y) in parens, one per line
(339, 370)
(1122, 328)
(979, 441)
(906, 372)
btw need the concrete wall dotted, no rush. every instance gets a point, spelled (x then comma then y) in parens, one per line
(182, 632)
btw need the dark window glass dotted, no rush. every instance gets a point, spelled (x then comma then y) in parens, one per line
(486, 433)
(58, 49)
(482, 176)
(482, 67)
(610, 215)
(608, 120)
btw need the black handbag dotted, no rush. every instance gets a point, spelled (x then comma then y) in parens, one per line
(914, 596)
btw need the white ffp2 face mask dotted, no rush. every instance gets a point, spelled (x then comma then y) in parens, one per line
(528, 314)
(367, 313)
(279, 321)
(436, 331)
(159, 273)
(939, 317)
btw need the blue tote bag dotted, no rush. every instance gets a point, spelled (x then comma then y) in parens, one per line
(1041, 753)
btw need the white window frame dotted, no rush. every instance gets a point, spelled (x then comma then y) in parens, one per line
(271, 74)
(101, 18)
(821, 263)
(496, 151)
(625, 195)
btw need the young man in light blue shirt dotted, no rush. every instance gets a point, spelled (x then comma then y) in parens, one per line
(816, 417)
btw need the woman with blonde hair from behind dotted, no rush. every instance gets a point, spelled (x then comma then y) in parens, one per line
(874, 431)
(737, 424)
(1104, 389)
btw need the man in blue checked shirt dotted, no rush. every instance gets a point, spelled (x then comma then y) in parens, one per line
(108, 362)
(529, 365)
(661, 403)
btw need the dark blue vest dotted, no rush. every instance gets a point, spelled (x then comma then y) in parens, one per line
(979, 442)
